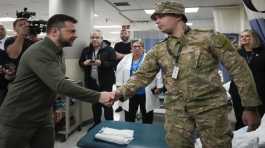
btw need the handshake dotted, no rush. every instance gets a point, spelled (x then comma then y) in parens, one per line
(108, 98)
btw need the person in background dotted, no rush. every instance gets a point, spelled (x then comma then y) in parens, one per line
(2, 37)
(3, 62)
(98, 62)
(195, 97)
(145, 97)
(254, 54)
(26, 113)
(251, 50)
(124, 47)
(3, 80)
(16, 45)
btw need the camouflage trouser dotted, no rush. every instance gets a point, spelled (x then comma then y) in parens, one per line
(213, 127)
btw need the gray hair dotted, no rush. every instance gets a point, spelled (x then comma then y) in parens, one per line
(139, 41)
(256, 41)
(97, 31)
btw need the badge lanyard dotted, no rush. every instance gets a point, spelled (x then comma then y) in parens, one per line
(132, 71)
(250, 57)
(176, 57)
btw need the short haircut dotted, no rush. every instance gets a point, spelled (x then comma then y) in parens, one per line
(18, 20)
(58, 21)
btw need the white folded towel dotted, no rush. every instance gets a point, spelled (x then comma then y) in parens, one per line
(118, 136)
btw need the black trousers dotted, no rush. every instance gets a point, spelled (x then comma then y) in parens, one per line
(97, 107)
(238, 109)
(134, 103)
(97, 112)
(35, 137)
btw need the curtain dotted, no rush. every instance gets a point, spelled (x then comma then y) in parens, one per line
(150, 38)
(257, 20)
(258, 25)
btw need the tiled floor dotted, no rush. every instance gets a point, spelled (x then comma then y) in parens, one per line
(72, 140)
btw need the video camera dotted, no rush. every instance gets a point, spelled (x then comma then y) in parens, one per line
(36, 26)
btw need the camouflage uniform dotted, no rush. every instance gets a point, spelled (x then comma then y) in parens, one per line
(196, 97)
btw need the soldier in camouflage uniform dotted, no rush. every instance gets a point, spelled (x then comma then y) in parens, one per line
(195, 96)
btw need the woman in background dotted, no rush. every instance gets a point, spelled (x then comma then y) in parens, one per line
(254, 54)
(146, 97)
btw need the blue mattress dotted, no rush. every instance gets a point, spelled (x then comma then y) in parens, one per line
(145, 136)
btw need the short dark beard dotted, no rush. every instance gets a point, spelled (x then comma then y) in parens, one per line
(63, 42)
(125, 39)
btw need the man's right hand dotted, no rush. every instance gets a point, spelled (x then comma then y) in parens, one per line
(107, 98)
(86, 62)
(90, 62)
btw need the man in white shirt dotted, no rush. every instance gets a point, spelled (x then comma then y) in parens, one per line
(2, 36)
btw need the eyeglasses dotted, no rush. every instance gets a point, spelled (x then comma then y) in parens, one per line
(136, 46)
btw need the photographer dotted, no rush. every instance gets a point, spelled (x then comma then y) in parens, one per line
(16, 45)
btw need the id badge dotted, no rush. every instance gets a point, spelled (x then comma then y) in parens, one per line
(175, 72)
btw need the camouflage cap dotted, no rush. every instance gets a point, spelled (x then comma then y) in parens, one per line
(169, 8)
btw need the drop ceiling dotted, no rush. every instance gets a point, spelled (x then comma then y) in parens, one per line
(110, 14)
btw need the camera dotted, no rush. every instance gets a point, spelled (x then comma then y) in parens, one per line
(92, 61)
(36, 26)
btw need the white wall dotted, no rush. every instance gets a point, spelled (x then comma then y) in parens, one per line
(227, 20)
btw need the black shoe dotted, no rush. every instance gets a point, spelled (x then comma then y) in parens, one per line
(119, 109)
